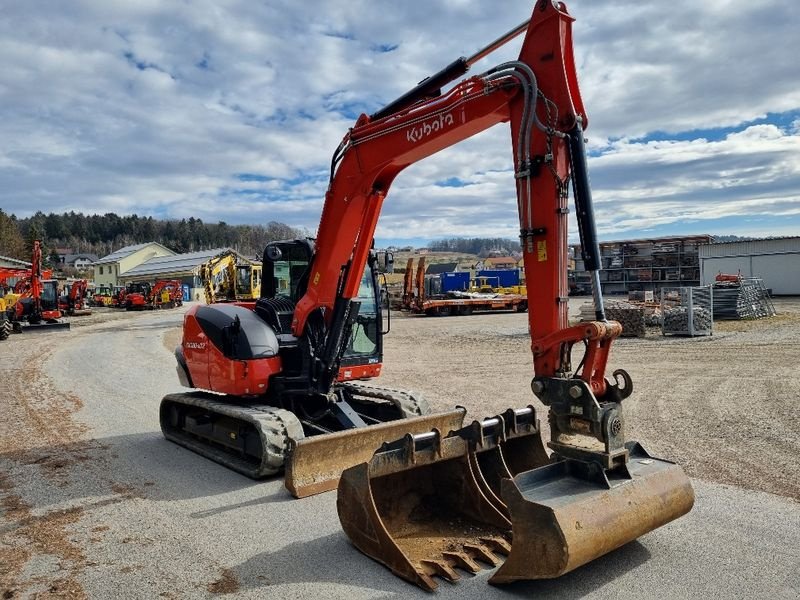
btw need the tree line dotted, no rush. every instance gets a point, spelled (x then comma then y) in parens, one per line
(103, 234)
(483, 247)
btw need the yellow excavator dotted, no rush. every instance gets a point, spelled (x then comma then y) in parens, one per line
(227, 277)
(7, 301)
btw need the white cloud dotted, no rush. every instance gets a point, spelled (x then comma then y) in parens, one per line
(155, 108)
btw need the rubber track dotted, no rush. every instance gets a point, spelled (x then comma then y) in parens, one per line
(275, 426)
(409, 403)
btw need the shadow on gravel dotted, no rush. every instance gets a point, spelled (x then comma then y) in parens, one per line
(136, 466)
(332, 559)
(166, 324)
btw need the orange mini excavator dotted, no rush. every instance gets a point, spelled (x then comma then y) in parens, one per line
(436, 496)
(74, 301)
(38, 302)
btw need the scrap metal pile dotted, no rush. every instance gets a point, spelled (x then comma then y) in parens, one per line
(676, 319)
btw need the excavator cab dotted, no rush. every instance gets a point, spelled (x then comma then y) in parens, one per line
(366, 340)
(284, 268)
(286, 275)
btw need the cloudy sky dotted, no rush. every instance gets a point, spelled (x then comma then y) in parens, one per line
(230, 110)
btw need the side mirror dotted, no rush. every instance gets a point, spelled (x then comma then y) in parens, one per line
(274, 252)
(385, 262)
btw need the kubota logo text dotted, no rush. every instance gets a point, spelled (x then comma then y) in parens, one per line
(415, 134)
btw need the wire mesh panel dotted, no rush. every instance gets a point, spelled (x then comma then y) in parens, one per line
(742, 298)
(687, 310)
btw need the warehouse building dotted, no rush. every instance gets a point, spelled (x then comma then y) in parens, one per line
(109, 269)
(776, 261)
(646, 264)
(13, 263)
(183, 267)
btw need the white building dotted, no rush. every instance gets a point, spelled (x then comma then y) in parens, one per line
(776, 261)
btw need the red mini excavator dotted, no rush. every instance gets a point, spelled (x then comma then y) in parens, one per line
(74, 302)
(430, 501)
(137, 295)
(166, 293)
(38, 302)
(162, 294)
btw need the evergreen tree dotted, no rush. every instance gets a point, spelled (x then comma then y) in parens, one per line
(12, 244)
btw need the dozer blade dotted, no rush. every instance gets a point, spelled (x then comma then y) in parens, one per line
(422, 507)
(43, 327)
(314, 464)
(564, 515)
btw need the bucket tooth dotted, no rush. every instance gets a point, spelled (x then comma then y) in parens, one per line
(442, 569)
(482, 554)
(463, 561)
(497, 545)
(563, 516)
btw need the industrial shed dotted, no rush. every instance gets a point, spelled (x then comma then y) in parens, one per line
(184, 267)
(13, 263)
(776, 261)
(109, 270)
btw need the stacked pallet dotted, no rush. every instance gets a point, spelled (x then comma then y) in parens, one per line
(630, 316)
(742, 299)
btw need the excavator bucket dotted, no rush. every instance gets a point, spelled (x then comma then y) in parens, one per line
(424, 505)
(429, 504)
(314, 464)
(509, 444)
(568, 513)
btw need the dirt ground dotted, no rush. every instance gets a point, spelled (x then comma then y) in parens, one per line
(725, 407)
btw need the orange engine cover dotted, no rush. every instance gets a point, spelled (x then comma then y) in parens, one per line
(210, 369)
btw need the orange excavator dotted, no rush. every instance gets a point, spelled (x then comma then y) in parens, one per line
(426, 503)
(37, 305)
(162, 294)
(167, 293)
(74, 302)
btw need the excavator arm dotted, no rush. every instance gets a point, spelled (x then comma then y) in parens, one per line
(538, 94)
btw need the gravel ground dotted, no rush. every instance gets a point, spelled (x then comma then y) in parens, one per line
(724, 406)
(94, 503)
